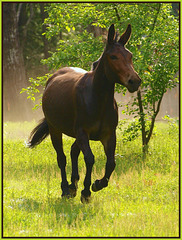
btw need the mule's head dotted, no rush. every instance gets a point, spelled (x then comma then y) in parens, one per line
(118, 60)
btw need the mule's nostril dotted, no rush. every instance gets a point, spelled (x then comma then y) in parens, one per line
(130, 81)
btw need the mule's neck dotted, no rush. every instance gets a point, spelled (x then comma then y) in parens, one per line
(102, 86)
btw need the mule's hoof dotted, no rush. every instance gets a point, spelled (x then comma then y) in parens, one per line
(72, 192)
(66, 195)
(95, 186)
(99, 184)
(85, 199)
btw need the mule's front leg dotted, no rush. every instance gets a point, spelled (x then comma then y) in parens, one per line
(109, 148)
(83, 143)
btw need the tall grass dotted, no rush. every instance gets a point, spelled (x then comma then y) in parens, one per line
(142, 199)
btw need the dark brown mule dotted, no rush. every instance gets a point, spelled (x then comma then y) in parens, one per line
(82, 105)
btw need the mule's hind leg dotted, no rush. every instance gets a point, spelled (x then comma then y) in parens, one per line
(61, 159)
(109, 148)
(75, 151)
(83, 143)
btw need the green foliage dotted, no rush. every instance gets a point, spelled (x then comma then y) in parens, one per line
(73, 53)
(33, 91)
(157, 58)
(131, 129)
(173, 127)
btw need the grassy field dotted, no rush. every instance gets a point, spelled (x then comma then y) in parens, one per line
(142, 199)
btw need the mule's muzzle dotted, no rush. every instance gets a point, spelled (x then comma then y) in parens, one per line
(133, 85)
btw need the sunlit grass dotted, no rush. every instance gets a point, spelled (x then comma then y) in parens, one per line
(141, 200)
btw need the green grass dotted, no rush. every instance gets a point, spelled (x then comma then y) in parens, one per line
(142, 199)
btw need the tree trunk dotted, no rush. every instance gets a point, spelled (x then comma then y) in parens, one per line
(14, 77)
(146, 136)
(142, 120)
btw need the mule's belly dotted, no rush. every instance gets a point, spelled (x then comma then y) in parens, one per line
(58, 107)
(60, 121)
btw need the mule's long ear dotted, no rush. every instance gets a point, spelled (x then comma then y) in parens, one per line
(111, 34)
(125, 36)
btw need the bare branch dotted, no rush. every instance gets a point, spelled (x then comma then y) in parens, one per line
(155, 19)
(117, 14)
(18, 11)
(31, 16)
(153, 119)
(25, 28)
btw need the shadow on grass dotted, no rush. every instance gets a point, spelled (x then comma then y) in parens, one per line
(60, 209)
(26, 204)
(133, 161)
(67, 209)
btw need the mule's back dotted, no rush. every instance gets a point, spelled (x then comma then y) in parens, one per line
(67, 73)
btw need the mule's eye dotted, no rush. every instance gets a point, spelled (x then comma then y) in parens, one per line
(113, 57)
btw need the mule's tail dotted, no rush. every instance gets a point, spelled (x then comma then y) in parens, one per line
(39, 133)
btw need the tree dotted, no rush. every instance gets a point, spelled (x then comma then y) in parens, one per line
(157, 62)
(34, 45)
(23, 48)
(14, 77)
(154, 43)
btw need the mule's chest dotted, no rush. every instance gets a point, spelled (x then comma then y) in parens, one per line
(103, 126)
(97, 111)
